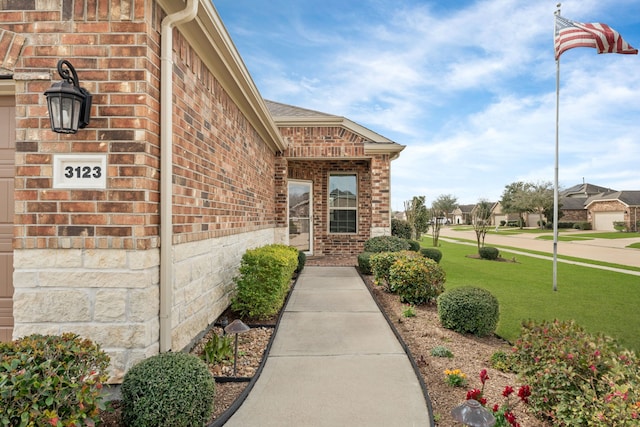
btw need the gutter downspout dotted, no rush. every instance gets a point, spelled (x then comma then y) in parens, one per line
(166, 167)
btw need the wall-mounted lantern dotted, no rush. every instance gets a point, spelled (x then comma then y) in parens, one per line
(69, 104)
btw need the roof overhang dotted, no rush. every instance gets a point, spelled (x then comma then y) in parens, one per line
(210, 39)
(376, 144)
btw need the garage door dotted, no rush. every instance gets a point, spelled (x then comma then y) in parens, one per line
(7, 161)
(604, 220)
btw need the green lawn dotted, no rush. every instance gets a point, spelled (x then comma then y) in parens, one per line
(599, 300)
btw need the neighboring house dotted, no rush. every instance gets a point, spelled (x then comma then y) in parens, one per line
(603, 210)
(462, 214)
(199, 168)
(572, 201)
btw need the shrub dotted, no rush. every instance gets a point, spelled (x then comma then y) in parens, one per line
(302, 259)
(441, 351)
(382, 262)
(364, 262)
(489, 253)
(386, 244)
(469, 310)
(416, 280)
(580, 378)
(414, 245)
(583, 225)
(620, 226)
(432, 253)
(265, 276)
(51, 380)
(400, 228)
(169, 389)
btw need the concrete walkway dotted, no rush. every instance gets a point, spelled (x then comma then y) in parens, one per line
(334, 362)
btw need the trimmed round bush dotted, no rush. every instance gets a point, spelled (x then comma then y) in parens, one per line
(414, 245)
(489, 253)
(169, 389)
(302, 259)
(469, 310)
(416, 280)
(432, 253)
(364, 262)
(386, 244)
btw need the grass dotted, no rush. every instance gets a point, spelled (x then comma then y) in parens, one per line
(601, 301)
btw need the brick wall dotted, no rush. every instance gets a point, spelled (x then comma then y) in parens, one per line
(336, 149)
(98, 250)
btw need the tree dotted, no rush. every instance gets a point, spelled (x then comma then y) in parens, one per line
(481, 220)
(417, 216)
(441, 208)
(514, 200)
(541, 199)
(523, 197)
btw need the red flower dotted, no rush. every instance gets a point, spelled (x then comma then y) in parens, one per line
(524, 392)
(507, 391)
(476, 395)
(483, 376)
(496, 408)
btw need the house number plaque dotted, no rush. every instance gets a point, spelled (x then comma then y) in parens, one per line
(80, 171)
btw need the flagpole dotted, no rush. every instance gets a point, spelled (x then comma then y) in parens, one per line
(555, 181)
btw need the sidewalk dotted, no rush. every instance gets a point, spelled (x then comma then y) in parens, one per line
(606, 250)
(334, 362)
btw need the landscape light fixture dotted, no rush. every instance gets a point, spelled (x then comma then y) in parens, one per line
(236, 327)
(472, 413)
(69, 105)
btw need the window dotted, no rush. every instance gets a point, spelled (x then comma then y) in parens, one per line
(343, 203)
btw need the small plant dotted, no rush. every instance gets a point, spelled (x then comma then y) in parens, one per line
(501, 361)
(441, 351)
(169, 389)
(409, 311)
(469, 310)
(455, 378)
(218, 349)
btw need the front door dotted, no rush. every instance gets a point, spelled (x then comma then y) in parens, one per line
(300, 216)
(7, 161)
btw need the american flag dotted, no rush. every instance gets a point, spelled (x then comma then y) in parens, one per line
(570, 34)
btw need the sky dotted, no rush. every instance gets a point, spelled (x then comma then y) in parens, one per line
(469, 87)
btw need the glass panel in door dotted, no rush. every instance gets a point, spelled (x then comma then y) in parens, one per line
(300, 215)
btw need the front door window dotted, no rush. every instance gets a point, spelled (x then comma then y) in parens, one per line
(300, 224)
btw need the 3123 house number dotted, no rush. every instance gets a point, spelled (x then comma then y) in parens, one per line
(83, 172)
(80, 171)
